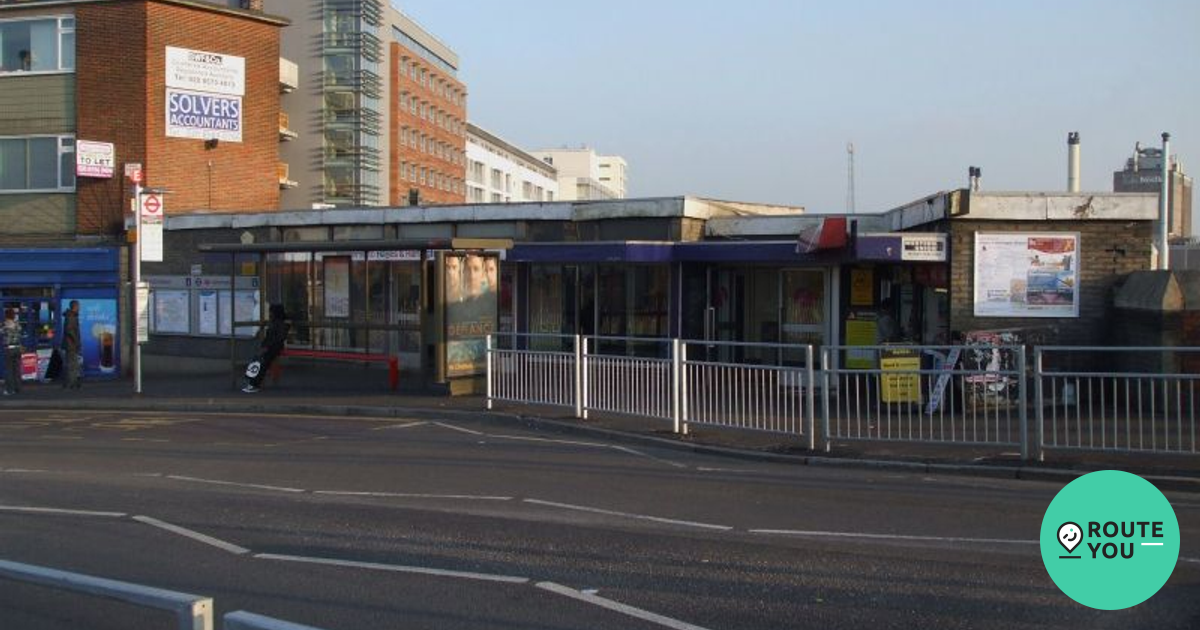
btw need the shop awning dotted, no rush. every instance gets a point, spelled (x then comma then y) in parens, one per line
(466, 244)
(657, 252)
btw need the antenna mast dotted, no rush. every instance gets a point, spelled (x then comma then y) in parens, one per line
(850, 209)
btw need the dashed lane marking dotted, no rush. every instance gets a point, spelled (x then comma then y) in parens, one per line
(457, 428)
(640, 517)
(952, 539)
(61, 512)
(634, 451)
(194, 535)
(596, 600)
(397, 568)
(400, 426)
(218, 482)
(408, 495)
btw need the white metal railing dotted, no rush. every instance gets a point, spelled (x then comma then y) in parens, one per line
(1140, 400)
(938, 394)
(629, 376)
(761, 393)
(1123, 399)
(192, 612)
(533, 369)
(658, 379)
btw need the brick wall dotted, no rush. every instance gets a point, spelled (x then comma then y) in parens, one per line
(401, 152)
(121, 98)
(1109, 250)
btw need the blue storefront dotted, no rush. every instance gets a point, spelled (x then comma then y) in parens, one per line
(39, 283)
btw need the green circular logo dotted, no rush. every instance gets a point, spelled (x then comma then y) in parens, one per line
(1110, 540)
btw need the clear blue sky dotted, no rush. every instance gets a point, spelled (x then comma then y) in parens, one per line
(755, 101)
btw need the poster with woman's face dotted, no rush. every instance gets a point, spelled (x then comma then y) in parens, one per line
(470, 289)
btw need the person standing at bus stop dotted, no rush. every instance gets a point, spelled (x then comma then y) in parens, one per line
(11, 335)
(72, 346)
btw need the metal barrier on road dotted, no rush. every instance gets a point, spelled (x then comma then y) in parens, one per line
(1131, 399)
(1140, 400)
(192, 612)
(936, 394)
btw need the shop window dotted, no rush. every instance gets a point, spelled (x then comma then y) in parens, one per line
(37, 164)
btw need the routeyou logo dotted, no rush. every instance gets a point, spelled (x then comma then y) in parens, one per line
(1110, 540)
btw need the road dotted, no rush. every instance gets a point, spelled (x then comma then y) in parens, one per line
(465, 523)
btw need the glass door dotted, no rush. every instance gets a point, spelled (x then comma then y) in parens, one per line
(804, 304)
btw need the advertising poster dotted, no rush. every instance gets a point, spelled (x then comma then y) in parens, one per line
(98, 329)
(862, 330)
(1027, 275)
(171, 312)
(862, 287)
(208, 312)
(901, 380)
(337, 287)
(471, 284)
(204, 94)
(246, 308)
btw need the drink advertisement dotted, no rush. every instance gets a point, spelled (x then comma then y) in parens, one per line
(98, 330)
(471, 284)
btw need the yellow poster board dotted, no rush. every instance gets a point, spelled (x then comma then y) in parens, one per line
(904, 384)
(860, 332)
(862, 287)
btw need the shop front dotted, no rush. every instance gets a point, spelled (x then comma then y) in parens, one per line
(38, 284)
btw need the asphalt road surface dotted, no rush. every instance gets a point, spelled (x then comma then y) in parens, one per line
(464, 524)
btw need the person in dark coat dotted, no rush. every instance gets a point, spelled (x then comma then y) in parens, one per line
(274, 338)
(72, 346)
(10, 334)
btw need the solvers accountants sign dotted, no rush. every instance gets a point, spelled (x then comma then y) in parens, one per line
(204, 95)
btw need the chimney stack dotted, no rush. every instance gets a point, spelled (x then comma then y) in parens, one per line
(1073, 162)
(974, 173)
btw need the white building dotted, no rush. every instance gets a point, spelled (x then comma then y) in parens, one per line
(583, 175)
(500, 172)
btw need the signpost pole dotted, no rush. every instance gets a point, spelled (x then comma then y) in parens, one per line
(137, 283)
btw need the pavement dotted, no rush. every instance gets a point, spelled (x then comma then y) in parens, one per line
(174, 385)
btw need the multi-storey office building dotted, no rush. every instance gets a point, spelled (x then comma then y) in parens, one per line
(382, 116)
(1143, 173)
(188, 90)
(500, 172)
(583, 175)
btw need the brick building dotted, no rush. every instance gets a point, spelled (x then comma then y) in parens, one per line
(189, 90)
(381, 115)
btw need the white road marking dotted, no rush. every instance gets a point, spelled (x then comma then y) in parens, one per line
(634, 451)
(1191, 560)
(22, 471)
(522, 438)
(822, 534)
(624, 609)
(217, 482)
(194, 535)
(400, 426)
(1152, 544)
(145, 440)
(406, 495)
(397, 568)
(640, 517)
(40, 510)
(59, 437)
(724, 470)
(456, 428)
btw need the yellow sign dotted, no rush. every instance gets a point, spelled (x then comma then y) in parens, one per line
(860, 332)
(249, 269)
(904, 384)
(862, 287)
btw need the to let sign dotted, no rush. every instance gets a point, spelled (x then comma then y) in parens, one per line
(94, 159)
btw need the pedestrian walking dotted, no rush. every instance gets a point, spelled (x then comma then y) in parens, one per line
(274, 337)
(11, 335)
(71, 346)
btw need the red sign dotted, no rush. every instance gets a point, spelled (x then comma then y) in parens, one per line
(29, 366)
(133, 171)
(151, 206)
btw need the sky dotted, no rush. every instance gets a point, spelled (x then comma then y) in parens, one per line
(757, 100)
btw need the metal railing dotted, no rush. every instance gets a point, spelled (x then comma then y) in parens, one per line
(629, 376)
(534, 369)
(683, 382)
(759, 393)
(1141, 400)
(1122, 399)
(192, 612)
(936, 394)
